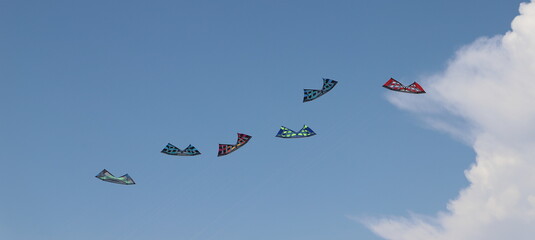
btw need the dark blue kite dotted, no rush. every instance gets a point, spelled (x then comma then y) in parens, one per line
(285, 132)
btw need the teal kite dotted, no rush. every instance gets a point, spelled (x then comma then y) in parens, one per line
(108, 177)
(311, 94)
(170, 149)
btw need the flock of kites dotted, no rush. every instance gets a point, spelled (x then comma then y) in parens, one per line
(224, 149)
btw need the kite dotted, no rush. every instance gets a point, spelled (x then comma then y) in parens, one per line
(170, 149)
(285, 132)
(311, 94)
(225, 149)
(394, 85)
(108, 177)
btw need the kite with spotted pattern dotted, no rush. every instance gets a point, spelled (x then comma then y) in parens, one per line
(311, 94)
(170, 149)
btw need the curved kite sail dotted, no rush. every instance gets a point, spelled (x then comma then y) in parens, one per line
(108, 177)
(170, 149)
(285, 132)
(311, 94)
(225, 149)
(394, 85)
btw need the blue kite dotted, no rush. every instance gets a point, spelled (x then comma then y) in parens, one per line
(312, 94)
(170, 149)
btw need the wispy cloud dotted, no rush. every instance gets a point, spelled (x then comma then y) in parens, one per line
(486, 97)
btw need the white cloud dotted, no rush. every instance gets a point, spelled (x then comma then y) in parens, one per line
(485, 97)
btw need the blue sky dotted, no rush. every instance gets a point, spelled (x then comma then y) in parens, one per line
(100, 84)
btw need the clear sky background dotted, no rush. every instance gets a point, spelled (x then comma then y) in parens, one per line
(87, 85)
